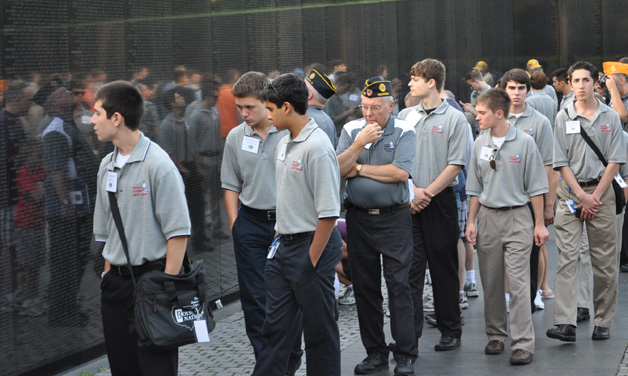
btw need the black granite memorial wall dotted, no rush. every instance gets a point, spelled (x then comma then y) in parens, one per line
(49, 263)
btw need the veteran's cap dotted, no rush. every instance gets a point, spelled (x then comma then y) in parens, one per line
(480, 64)
(615, 67)
(375, 87)
(44, 92)
(534, 63)
(321, 83)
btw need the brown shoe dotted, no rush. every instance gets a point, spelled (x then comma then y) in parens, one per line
(494, 347)
(520, 356)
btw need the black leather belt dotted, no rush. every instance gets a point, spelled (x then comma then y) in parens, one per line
(210, 153)
(505, 208)
(297, 236)
(589, 183)
(377, 211)
(123, 270)
(266, 215)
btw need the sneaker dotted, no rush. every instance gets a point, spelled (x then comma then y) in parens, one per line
(428, 278)
(348, 298)
(376, 361)
(462, 301)
(472, 290)
(507, 303)
(538, 300)
(428, 305)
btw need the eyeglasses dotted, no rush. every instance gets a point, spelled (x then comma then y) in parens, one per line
(372, 108)
(491, 158)
(270, 83)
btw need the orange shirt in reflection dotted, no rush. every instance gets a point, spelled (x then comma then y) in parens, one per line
(227, 110)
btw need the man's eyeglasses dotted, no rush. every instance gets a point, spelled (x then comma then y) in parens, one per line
(372, 108)
(491, 158)
(270, 83)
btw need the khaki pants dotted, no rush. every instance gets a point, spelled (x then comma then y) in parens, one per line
(602, 232)
(506, 237)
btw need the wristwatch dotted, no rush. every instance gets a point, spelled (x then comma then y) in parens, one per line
(358, 168)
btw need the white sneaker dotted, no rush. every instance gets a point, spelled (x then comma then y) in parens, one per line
(538, 300)
(428, 305)
(472, 290)
(348, 298)
(462, 301)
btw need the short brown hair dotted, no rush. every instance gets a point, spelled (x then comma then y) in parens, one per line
(429, 69)
(495, 100)
(474, 75)
(250, 84)
(517, 75)
(538, 80)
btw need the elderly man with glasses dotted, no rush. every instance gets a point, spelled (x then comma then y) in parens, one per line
(376, 156)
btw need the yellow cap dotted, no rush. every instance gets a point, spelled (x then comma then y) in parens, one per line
(534, 63)
(615, 67)
(480, 64)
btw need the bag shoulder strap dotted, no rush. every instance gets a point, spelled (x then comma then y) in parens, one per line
(115, 212)
(590, 142)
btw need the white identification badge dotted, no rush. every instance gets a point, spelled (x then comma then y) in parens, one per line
(273, 248)
(620, 181)
(250, 144)
(200, 328)
(571, 205)
(112, 182)
(572, 127)
(86, 119)
(282, 153)
(485, 153)
(76, 197)
(354, 97)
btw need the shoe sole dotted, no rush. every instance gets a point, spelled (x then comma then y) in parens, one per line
(520, 362)
(562, 338)
(472, 294)
(376, 369)
(493, 352)
(600, 338)
(464, 306)
(346, 303)
(438, 348)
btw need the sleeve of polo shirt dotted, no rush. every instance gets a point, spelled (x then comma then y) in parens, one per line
(230, 170)
(623, 170)
(195, 132)
(535, 178)
(546, 142)
(561, 159)
(167, 137)
(344, 141)
(405, 151)
(475, 185)
(171, 209)
(323, 174)
(458, 142)
(617, 150)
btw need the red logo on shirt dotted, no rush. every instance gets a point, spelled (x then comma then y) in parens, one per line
(606, 128)
(515, 159)
(140, 191)
(296, 165)
(438, 129)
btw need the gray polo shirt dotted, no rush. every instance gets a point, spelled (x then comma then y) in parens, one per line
(442, 139)
(248, 171)
(397, 147)
(542, 102)
(324, 123)
(569, 98)
(175, 138)
(623, 170)
(536, 125)
(549, 90)
(205, 130)
(571, 149)
(307, 181)
(151, 198)
(518, 174)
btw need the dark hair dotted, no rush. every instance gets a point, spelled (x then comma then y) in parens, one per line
(14, 91)
(517, 75)
(124, 98)
(474, 75)
(250, 84)
(429, 69)
(208, 86)
(560, 74)
(538, 80)
(496, 99)
(586, 66)
(287, 88)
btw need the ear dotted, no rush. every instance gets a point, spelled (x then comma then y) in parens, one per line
(117, 119)
(499, 114)
(286, 107)
(431, 83)
(310, 95)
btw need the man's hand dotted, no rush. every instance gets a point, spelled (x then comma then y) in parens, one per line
(541, 235)
(590, 205)
(548, 215)
(353, 173)
(370, 133)
(471, 232)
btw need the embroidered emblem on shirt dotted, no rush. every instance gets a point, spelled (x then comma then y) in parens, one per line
(515, 159)
(389, 147)
(297, 166)
(140, 191)
(438, 129)
(529, 131)
(606, 128)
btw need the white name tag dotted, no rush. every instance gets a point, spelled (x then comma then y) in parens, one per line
(620, 181)
(571, 205)
(200, 328)
(353, 97)
(572, 127)
(485, 153)
(250, 144)
(112, 182)
(273, 249)
(282, 153)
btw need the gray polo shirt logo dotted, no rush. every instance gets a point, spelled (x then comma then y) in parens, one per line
(437, 129)
(515, 159)
(297, 166)
(606, 128)
(390, 147)
(529, 131)
(140, 191)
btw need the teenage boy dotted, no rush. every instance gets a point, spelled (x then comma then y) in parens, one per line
(505, 174)
(300, 263)
(585, 191)
(524, 117)
(151, 198)
(248, 177)
(561, 84)
(441, 153)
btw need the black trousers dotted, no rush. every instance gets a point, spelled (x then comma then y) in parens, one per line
(623, 258)
(123, 351)
(534, 265)
(435, 234)
(388, 236)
